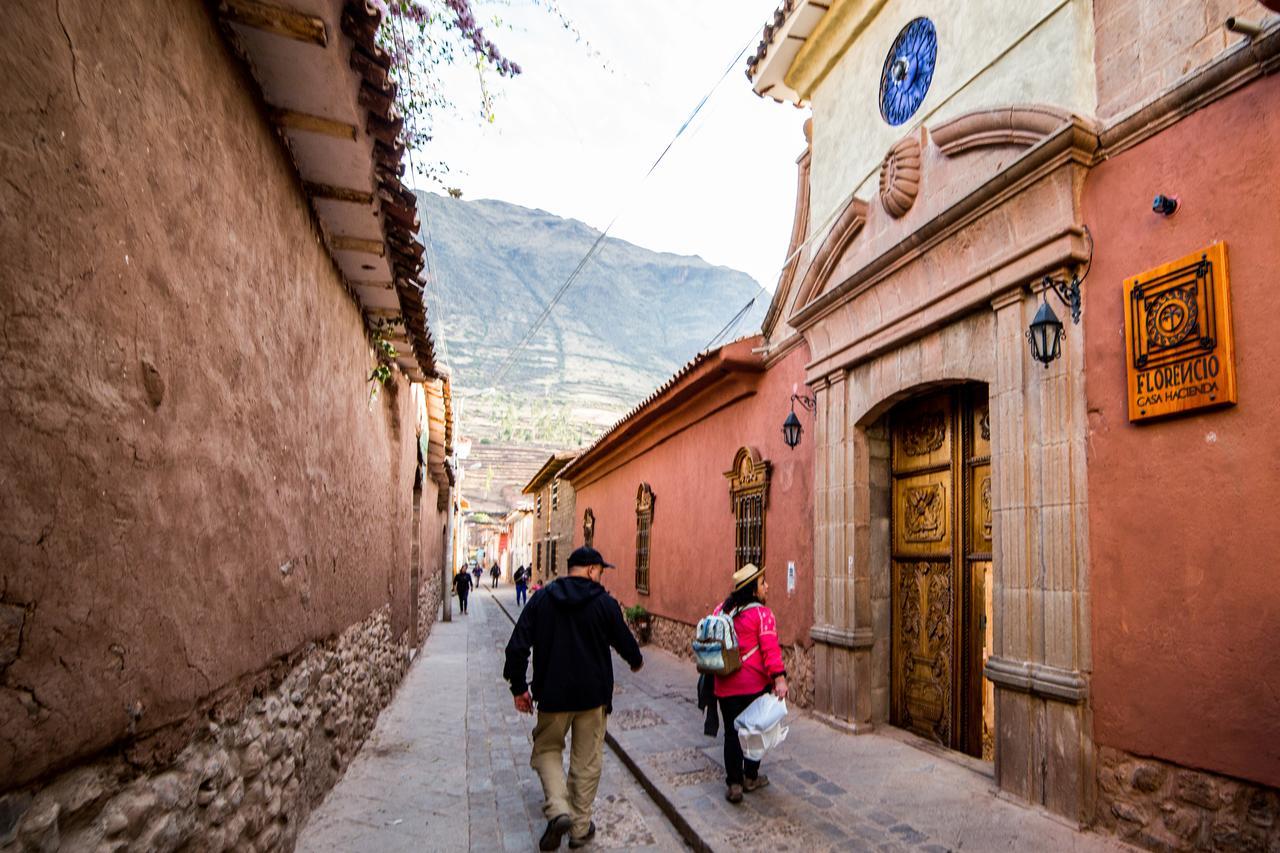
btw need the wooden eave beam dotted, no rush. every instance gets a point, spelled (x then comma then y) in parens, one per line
(343, 243)
(294, 120)
(275, 20)
(329, 191)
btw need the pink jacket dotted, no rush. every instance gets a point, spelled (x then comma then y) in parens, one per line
(757, 629)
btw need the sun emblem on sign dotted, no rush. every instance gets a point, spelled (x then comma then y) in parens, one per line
(1172, 317)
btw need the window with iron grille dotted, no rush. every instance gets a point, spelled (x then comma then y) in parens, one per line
(748, 495)
(551, 557)
(537, 560)
(644, 529)
(555, 495)
(537, 506)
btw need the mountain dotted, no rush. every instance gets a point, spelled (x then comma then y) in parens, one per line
(631, 319)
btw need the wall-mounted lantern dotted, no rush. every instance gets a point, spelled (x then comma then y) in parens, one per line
(1045, 333)
(791, 429)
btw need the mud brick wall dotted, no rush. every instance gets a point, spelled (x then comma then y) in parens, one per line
(675, 637)
(196, 483)
(1162, 806)
(257, 759)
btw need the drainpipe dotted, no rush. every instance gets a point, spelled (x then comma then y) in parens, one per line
(446, 560)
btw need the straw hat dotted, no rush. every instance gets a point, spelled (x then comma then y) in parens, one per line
(746, 575)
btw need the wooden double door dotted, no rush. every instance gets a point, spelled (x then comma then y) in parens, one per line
(941, 568)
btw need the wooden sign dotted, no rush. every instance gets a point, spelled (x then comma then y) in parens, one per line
(1180, 353)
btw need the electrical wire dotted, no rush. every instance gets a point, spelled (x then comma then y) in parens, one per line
(510, 360)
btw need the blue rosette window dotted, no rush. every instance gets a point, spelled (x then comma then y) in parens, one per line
(908, 71)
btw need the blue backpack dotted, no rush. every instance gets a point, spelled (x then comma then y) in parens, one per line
(715, 644)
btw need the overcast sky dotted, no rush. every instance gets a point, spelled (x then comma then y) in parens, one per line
(575, 133)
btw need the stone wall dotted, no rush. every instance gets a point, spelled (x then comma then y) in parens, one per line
(1142, 47)
(430, 595)
(253, 764)
(1163, 806)
(675, 637)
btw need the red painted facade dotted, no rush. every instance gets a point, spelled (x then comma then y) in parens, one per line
(681, 443)
(1185, 586)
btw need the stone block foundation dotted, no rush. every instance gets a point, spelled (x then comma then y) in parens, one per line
(1163, 806)
(241, 773)
(673, 636)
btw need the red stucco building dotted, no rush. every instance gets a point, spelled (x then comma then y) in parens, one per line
(697, 481)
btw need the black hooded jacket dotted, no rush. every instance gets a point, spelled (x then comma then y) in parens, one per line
(570, 626)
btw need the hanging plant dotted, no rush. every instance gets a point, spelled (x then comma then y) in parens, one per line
(385, 353)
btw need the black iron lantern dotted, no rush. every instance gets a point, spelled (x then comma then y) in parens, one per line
(791, 430)
(1045, 335)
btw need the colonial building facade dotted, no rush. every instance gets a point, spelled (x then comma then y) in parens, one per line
(698, 481)
(967, 163)
(553, 514)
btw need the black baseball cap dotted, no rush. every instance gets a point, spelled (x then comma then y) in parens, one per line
(587, 557)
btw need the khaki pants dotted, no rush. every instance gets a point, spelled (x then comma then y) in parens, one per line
(586, 759)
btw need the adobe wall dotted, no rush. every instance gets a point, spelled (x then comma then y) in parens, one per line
(196, 486)
(1182, 512)
(692, 540)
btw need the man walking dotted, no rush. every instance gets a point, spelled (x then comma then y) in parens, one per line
(462, 586)
(570, 628)
(494, 572)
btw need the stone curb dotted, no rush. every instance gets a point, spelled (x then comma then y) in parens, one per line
(668, 808)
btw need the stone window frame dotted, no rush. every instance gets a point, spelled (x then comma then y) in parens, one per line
(644, 536)
(588, 528)
(748, 489)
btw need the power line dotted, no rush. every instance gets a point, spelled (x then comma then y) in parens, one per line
(510, 360)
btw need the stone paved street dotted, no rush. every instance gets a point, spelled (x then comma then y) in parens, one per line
(829, 791)
(447, 767)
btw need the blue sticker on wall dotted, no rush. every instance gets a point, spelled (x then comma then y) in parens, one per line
(908, 71)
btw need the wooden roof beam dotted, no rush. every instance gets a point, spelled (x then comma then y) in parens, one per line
(294, 120)
(343, 243)
(329, 191)
(275, 20)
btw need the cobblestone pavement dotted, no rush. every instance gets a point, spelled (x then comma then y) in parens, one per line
(829, 790)
(447, 767)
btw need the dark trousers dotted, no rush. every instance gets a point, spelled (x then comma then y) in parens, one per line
(522, 594)
(462, 602)
(736, 766)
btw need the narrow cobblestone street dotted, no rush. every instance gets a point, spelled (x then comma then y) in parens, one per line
(447, 769)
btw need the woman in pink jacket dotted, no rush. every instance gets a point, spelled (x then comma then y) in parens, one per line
(761, 671)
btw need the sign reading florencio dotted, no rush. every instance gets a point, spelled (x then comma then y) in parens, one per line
(1177, 333)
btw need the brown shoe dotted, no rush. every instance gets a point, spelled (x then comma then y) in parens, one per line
(761, 781)
(734, 794)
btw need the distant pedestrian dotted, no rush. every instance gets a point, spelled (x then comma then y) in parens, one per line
(478, 571)
(762, 671)
(522, 585)
(462, 586)
(570, 631)
(493, 573)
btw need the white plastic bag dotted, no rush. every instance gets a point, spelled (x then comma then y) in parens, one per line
(760, 727)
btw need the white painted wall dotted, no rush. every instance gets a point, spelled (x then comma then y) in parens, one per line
(990, 53)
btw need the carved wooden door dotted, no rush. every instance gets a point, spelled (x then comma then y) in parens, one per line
(941, 557)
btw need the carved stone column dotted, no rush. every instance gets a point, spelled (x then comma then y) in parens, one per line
(1044, 750)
